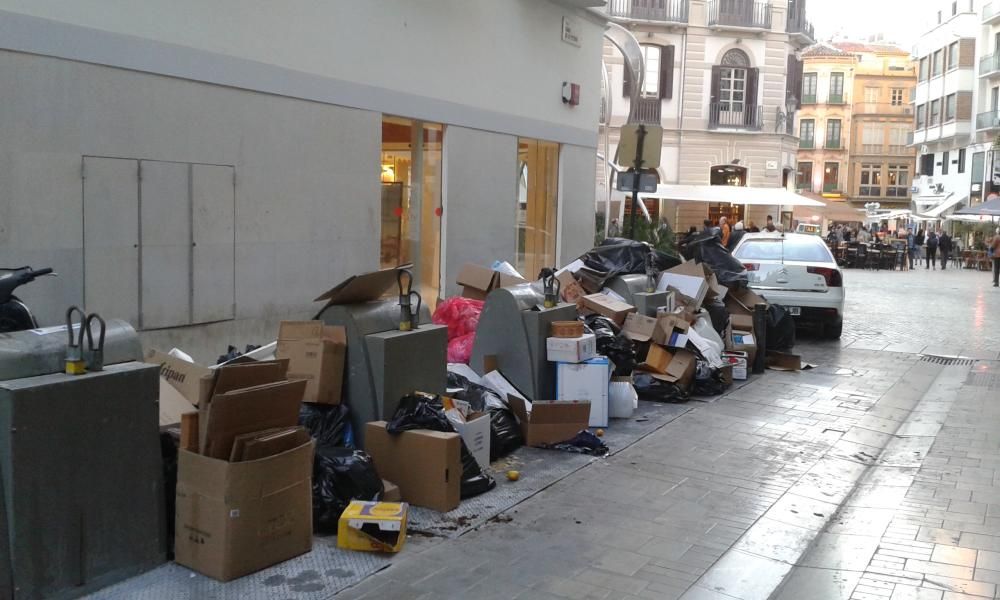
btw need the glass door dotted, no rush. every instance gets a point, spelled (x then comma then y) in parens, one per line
(410, 172)
(537, 205)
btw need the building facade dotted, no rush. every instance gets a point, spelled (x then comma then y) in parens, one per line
(722, 79)
(854, 123)
(206, 169)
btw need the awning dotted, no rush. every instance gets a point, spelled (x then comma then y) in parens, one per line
(731, 194)
(990, 208)
(949, 204)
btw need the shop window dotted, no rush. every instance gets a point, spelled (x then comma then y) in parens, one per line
(537, 205)
(871, 180)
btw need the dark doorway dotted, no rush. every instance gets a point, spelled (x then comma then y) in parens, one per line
(729, 175)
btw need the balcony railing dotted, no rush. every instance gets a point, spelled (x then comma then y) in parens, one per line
(739, 13)
(991, 14)
(835, 99)
(668, 11)
(647, 110)
(728, 116)
(901, 150)
(881, 108)
(809, 99)
(797, 24)
(833, 145)
(807, 144)
(989, 65)
(871, 148)
(988, 120)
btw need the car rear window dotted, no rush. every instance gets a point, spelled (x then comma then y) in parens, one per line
(807, 249)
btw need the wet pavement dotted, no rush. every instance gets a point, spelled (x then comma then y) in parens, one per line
(875, 475)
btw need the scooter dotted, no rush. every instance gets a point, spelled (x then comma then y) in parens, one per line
(14, 314)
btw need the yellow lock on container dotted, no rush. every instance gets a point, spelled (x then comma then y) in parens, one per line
(75, 365)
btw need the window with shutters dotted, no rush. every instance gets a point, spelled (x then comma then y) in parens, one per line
(897, 139)
(734, 93)
(897, 96)
(807, 133)
(658, 79)
(833, 134)
(872, 138)
(871, 95)
(804, 176)
(809, 88)
(871, 180)
(836, 88)
(733, 81)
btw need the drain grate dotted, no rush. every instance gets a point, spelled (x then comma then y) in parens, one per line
(947, 360)
(986, 380)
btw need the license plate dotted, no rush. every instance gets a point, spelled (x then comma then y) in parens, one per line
(795, 311)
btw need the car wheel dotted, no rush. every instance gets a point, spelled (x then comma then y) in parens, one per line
(833, 330)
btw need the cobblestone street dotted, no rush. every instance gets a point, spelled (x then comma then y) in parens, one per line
(872, 476)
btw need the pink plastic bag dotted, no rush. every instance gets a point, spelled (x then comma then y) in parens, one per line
(461, 315)
(460, 348)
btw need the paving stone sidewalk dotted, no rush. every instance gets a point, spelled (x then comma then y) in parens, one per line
(651, 520)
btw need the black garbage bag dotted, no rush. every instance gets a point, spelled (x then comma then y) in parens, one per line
(613, 344)
(419, 411)
(656, 390)
(719, 314)
(708, 249)
(505, 432)
(232, 352)
(708, 381)
(780, 329)
(582, 443)
(328, 424)
(339, 476)
(170, 442)
(426, 411)
(620, 256)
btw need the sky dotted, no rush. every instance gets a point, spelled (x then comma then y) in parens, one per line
(901, 21)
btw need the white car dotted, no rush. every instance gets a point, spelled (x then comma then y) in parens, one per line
(798, 272)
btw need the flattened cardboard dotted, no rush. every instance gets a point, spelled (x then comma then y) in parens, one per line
(251, 409)
(742, 301)
(390, 491)
(782, 361)
(277, 442)
(234, 519)
(639, 328)
(688, 278)
(475, 432)
(373, 526)
(426, 465)
(549, 422)
(315, 353)
(235, 376)
(609, 307)
(364, 287)
(192, 380)
(173, 404)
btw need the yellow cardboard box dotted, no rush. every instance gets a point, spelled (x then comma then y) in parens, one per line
(373, 526)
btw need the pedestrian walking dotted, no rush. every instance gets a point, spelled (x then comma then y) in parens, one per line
(945, 246)
(709, 228)
(911, 247)
(725, 231)
(995, 255)
(736, 236)
(932, 246)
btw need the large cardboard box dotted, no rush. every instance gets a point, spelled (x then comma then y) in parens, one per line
(475, 432)
(688, 279)
(743, 341)
(315, 353)
(572, 350)
(586, 381)
(478, 281)
(547, 421)
(672, 331)
(236, 518)
(373, 526)
(426, 465)
(602, 304)
(639, 328)
(679, 370)
(657, 359)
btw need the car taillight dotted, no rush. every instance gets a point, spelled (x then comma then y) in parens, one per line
(832, 276)
(751, 266)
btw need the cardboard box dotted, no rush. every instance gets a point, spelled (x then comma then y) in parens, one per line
(671, 331)
(586, 381)
(549, 422)
(475, 432)
(192, 380)
(315, 353)
(657, 359)
(639, 328)
(679, 370)
(478, 281)
(235, 376)
(741, 322)
(426, 465)
(255, 446)
(373, 526)
(716, 291)
(572, 350)
(743, 341)
(237, 518)
(570, 289)
(390, 492)
(247, 410)
(688, 279)
(741, 302)
(173, 404)
(740, 363)
(615, 310)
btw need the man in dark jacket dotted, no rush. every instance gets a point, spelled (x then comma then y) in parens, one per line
(932, 246)
(735, 236)
(945, 246)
